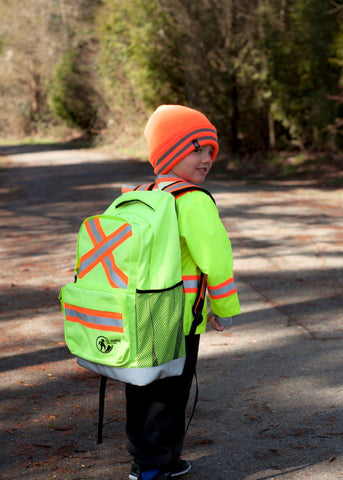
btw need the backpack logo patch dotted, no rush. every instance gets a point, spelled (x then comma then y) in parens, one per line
(103, 345)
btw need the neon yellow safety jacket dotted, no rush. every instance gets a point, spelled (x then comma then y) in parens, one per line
(205, 247)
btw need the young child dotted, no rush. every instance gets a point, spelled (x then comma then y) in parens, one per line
(182, 146)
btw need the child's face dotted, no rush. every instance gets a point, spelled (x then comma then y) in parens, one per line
(195, 166)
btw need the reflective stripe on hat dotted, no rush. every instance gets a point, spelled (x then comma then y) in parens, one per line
(96, 319)
(222, 290)
(203, 136)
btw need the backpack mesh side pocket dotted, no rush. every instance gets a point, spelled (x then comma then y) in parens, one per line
(159, 331)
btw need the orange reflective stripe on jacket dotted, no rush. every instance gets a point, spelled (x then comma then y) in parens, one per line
(102, 252)
(176, 184)
(222, 290)
(191, 283)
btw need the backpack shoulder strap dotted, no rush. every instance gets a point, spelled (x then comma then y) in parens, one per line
(103, 381)
(174, 185)
(178, 187)
(133, 188)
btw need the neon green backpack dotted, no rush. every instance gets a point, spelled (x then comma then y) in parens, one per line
(124, 314)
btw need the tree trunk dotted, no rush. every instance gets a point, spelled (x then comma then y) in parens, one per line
(235, 115)
(271, 130)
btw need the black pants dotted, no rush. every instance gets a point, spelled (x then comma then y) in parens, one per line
(155, 423)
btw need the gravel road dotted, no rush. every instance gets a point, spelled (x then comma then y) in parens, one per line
(271, 388)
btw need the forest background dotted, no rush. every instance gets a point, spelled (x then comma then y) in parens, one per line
(268, 73)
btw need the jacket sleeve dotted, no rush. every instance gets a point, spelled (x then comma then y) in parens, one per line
(210, 248)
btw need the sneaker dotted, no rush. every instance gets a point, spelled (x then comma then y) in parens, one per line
(161, 476)
(158, 476)
(135, 471)
(179, 467)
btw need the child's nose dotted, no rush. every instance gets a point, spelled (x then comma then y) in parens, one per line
(206, 157)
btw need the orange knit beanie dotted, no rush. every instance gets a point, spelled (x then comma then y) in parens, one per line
(174, 131)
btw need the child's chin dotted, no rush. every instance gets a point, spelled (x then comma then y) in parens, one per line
(199, 178)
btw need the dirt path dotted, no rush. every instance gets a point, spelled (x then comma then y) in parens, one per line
(271, 389)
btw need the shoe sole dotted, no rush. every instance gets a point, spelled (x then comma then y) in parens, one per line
(178, 474)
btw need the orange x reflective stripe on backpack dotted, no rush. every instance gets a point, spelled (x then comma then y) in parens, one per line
(102, 252)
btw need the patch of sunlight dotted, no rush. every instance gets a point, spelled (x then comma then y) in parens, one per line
(326, 470)
(99, 186)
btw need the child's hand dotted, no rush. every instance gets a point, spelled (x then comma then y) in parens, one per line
(214, 323)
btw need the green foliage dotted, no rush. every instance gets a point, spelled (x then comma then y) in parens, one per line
(135, 58)
(199, 54)
(70, 94)
(268, 73)
(299, 48)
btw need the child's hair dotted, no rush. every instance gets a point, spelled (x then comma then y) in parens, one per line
(174, 131)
